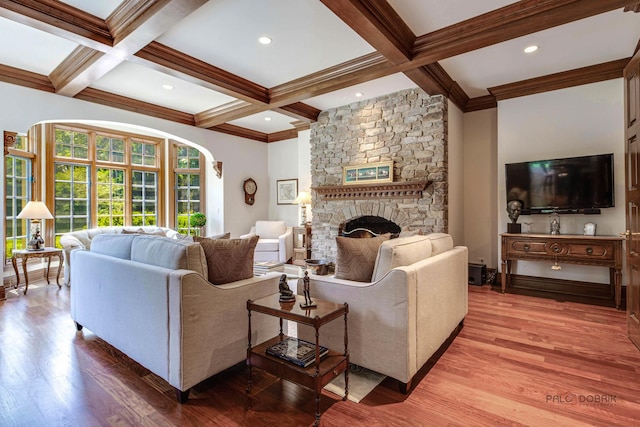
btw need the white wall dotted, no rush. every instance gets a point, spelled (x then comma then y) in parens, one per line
(242, 158)
(576, 121)
(283, 164)
(455, 144)
(480, 186)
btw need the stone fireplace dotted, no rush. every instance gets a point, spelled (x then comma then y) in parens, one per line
(406, 127)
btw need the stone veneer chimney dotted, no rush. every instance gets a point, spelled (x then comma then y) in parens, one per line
(408, 127)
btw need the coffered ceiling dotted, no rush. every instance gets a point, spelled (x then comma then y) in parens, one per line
(123, 53)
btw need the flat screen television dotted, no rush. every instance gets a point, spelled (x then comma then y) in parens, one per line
(571, 185)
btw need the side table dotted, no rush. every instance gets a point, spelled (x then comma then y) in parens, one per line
(25, 255)
(324, 370)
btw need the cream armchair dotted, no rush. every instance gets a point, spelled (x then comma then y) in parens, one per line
(275, 243)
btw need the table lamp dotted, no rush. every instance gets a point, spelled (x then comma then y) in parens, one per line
(35, 211)
(303, 199)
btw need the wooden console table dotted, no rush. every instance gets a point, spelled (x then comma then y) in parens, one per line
(604, 251)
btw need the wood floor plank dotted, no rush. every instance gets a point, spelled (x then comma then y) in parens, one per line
(516, 362)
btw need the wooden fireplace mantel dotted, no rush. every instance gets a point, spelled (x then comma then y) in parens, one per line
(389, 190)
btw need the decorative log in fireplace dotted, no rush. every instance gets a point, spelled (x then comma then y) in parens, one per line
(392, 190)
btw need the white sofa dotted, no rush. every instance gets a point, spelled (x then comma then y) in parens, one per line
(275, 243)
(148, 296)
(81, 239)
(417, 298)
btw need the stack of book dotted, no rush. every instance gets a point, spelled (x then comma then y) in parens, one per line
(265, 267)
(296, 351)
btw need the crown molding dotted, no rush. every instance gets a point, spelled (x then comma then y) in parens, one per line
(565, 79)
(25, 78)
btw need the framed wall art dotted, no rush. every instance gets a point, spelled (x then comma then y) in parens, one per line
(368, 173)
(287, 191)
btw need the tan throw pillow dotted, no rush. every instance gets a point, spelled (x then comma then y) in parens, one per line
(214, 237)
(158, 232)
(229, 260)
(357, 257)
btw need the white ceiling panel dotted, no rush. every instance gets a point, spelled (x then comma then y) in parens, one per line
(425, 16)
(45, 51)
(307, 37)
(100, 8)
(277, 122)
(370, 89)
(603, 38)
(144, 84)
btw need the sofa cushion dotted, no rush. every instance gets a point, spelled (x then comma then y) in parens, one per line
(115, 245)
(169, 253)
(356, 257)
(399, 252)
(229, 260)
(440, 242)
(270, 229)
(268, 245)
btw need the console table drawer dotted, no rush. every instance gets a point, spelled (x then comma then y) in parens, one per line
(591, 251)
(527, 247)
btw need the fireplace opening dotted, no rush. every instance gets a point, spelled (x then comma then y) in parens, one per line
(369, 226)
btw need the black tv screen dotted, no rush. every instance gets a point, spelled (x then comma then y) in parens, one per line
(571, 185)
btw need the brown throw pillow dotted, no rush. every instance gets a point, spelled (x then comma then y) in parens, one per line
(229, 260)
(357, 257)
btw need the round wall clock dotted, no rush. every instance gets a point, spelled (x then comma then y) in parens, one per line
(250, 187)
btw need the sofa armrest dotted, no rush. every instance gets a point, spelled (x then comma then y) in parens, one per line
(209, 323)
(381, 320)
(250, 234)
(285, 245)
(69, 243)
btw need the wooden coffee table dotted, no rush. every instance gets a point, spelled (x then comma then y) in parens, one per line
(26, 254)
(315, 376)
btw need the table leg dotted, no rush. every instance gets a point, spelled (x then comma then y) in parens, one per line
(618, 291)
(59, 268)
(15, 269)
(26, 275)
(48, 266)
(503, 276)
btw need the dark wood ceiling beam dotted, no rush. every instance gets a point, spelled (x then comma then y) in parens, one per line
(349, 73)
(434, 80)
(300, 111)
(60, 19)
(282, 135)
(481, 103)
(170, 61)
(129, 104)
(25, 78)
(227, 112)
(377, 23)
(230, 129)
(565, 79)
(135, 24)
(633, 8)
(506, 23)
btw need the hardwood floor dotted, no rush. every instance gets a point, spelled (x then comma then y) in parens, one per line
(518, 361)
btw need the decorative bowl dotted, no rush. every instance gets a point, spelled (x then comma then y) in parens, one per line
(319, 267)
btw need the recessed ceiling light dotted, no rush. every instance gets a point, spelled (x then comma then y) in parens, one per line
(531, 49)
(359, 94)
(167, 87)
(265, 40)
(267, 119)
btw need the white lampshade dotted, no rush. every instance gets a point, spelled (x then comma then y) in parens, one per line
(35, 210)
(303, 198)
